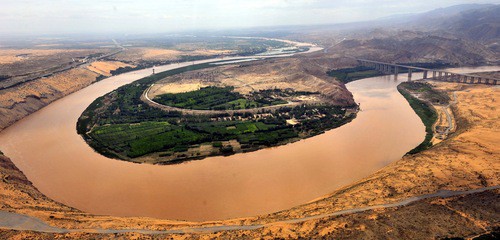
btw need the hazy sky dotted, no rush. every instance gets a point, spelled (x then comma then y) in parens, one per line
(147, 16)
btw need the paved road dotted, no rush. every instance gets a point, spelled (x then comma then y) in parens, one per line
(448, 115)
(15, 221)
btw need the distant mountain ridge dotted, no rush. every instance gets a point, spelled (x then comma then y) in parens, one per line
(476, 22)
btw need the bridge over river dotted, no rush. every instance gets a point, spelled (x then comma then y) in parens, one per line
(438, 75)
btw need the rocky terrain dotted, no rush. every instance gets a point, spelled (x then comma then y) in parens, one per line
(423, 48)
(456, 36)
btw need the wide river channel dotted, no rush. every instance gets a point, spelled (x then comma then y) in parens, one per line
(46, 147)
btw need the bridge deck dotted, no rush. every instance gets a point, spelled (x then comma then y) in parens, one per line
(497, 81)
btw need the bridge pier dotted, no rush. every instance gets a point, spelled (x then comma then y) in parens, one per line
(425, 74)
(464, 79)
(440, 77)
(409, 73)
(396, 70)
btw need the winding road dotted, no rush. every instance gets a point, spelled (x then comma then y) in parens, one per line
(15, 221)
(146, 99)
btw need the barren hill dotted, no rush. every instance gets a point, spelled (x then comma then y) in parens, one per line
(451, 50)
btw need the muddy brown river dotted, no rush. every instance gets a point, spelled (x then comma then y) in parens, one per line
(46, 147)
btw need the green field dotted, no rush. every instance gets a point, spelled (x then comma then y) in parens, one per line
(134, 140)
(426, 114)
(138, 139)
(231, 127)
(216, 98)
(427, 92)
(346, 75)
(120, 125)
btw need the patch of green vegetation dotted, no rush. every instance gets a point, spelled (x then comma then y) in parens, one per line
(202, 99)
(426, 91)
(135, 140)
(125, 105)
(120, 125)
(230, 128)
(346, 75)
(426, 114)
(219, 98)
(217, 144)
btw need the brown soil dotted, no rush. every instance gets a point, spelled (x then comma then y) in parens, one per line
(105, 67)
(136, 55)
(463, 216)
(23, 55)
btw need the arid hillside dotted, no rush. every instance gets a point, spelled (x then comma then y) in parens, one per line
(25, 98)
(461, 35)
(22, 100)
(144, 54)
(422, 48)
(105, 68)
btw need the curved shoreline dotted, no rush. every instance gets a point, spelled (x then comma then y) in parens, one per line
(216, 188)
(291, 174)
(118, 227)
(20, 222)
